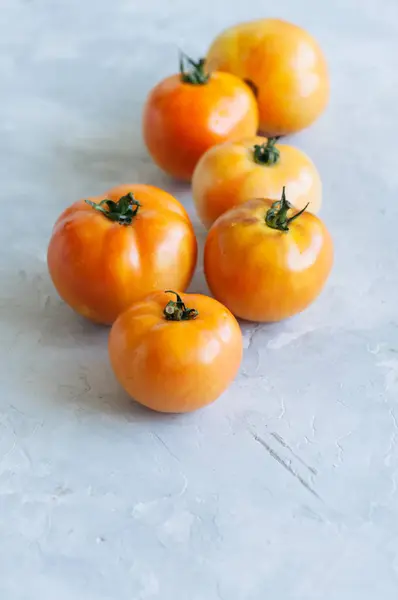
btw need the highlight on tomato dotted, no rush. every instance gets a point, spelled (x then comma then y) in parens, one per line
(265, 261)
(107, 252)
(175, 352)
(285, 67)
(187, 113)
(234, 172)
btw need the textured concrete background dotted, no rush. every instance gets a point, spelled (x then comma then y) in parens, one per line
(286, 488)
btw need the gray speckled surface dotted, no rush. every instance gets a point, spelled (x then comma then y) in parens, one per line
(286, 488)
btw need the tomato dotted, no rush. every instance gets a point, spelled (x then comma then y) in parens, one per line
(186, 114)
(285, 66)
(175, 352)
(235, 172)
(108, 252)
(266, 262)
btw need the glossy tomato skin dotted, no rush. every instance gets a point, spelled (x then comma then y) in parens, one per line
(181, 120)
(286, 66)
(100, 267)
(227, 175)
(262, 274)
(175, 366)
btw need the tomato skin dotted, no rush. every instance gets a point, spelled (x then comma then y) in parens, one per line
(227, 175)
(181, 120)
(262, 274)
(175, 366)
(286, 66)
(100, 267)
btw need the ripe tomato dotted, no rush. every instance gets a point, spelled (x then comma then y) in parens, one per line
(186, 114)
(266, 263)
(175, 353)
(108, 252)
(285, 66)
(235, 172)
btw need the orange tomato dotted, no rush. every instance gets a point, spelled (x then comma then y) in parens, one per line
(108, 252)
(186, 114)
(266, 262)
(285, 66)
(175, 353)
(235, 172)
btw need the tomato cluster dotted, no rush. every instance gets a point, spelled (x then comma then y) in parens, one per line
(126, 258)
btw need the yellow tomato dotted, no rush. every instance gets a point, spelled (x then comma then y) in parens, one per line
(234, 172)
(285, 67)
(265, 262)
(186, 114)
(175, 352)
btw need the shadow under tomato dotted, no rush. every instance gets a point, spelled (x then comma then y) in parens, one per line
(54, 356)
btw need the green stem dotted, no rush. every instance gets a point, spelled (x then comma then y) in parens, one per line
(276, 216)
(193, 72)
(123, 211)
(177, 311)
(267, 153)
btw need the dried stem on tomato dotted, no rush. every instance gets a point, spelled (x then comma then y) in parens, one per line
(252, 86)
(267, 153)
(175, 310)
(123, 211)
(193, 72)
(276, 216)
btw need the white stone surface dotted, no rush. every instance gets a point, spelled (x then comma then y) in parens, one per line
(284, 489)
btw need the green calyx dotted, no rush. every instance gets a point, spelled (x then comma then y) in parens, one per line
(193, 72)
(175, 310)
(123, 211)
(266, 154)
(276, 216)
